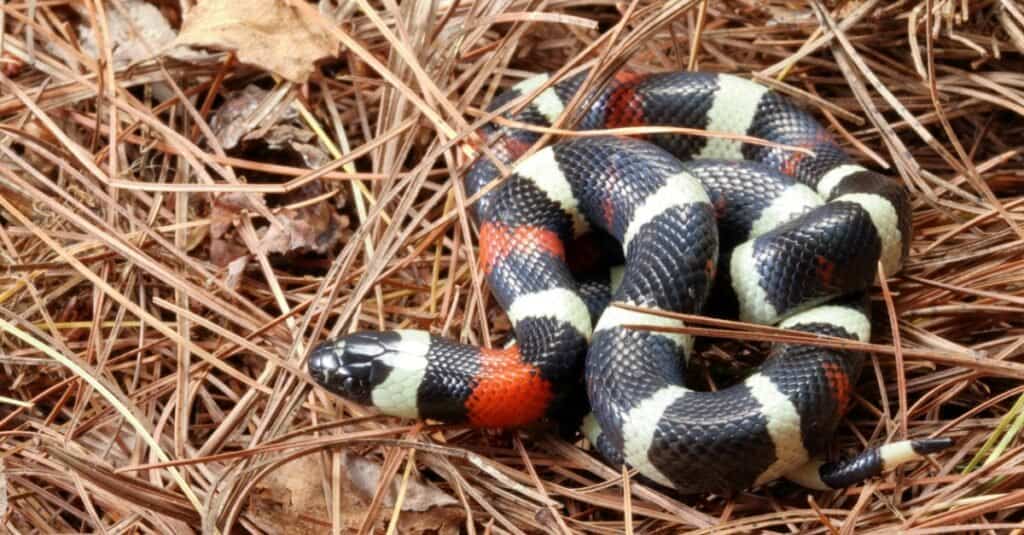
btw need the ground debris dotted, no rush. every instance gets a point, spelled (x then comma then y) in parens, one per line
(271, 34)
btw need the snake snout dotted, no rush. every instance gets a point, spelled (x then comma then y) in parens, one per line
(324, 361)
(343, 368)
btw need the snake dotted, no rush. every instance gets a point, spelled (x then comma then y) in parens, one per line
(765, 216)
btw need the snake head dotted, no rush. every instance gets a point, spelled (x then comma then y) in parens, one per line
(372, 368)
(349, 366)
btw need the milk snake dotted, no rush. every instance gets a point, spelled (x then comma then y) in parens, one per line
(791, 238)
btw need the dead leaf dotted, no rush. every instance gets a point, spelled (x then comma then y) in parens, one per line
(292, 499)
(225, 247)
(424, 507)
(20, 201)
(223, 252)
(226, 208)
(312, 155)
(365, 475)
(137, 31)
(315, 227)
(235, 269)
(269, 34)
(230, 121)
(233, 121)
(281, 136)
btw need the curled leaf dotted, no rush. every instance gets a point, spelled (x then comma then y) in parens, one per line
(269, 34)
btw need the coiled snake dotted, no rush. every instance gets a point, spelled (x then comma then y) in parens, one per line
(792, 238)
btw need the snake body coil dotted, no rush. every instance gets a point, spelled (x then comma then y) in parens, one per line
(793, 237)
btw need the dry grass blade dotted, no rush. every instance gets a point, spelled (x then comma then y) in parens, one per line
(177, 230)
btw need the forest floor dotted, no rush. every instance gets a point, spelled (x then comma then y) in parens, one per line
(189, 204)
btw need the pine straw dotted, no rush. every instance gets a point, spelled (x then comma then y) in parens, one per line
(142, 391)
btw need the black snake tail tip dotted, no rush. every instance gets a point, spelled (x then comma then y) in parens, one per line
(931, 445)
(875, 461)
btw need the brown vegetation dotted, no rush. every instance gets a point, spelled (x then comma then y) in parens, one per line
(179, 227)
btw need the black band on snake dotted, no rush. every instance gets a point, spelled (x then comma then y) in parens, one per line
(792, 238)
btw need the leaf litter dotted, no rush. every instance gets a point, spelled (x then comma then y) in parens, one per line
(268, 33)
(189, 200)
(289, 498)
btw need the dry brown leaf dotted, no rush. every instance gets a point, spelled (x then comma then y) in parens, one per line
(364, 476)
(231, 120)
(291, 499)
(20, 201)
(11, 65)
(233, 124)
(227, 206)
(425, 509)
(137, 31)
(235, 269)
(235, 119)
(225, 247)
(312, 155)
(298, 140)
(314, 227)
(266, 33)
(224, 252)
